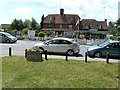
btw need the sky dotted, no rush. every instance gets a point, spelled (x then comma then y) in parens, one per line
(86, 9)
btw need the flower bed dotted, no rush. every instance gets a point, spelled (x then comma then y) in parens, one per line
(34, 54)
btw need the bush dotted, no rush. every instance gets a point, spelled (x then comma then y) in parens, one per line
(41, 34)
(115, 37)
(25, 31)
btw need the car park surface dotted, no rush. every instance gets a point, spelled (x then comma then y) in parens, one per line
(18, 49)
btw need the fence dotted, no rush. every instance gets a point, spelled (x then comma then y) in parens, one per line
(66, 55)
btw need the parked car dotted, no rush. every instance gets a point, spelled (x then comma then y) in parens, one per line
(60, 45)
(101, 50)
(7, 38)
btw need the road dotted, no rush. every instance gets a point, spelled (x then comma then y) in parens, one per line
(19, 47)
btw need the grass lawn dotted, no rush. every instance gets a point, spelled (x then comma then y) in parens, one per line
(57, 73)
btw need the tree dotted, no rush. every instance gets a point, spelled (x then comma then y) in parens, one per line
(118, 22)
(27, 23)
(17, 24)
(42, 20)
(33, 24)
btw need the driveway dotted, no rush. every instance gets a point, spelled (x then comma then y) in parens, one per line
(19, 47)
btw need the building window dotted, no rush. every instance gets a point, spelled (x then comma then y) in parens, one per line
(86, 27)
(50, 25)
(70, 27)
(60, 26)
(100, 27)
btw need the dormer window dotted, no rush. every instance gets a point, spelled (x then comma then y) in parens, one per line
(100, 27)
(71, 20)
(52, 19)
(86, 27)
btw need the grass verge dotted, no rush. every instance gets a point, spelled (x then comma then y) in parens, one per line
(57, 73)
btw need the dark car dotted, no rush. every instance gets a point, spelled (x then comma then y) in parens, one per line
(101, 50)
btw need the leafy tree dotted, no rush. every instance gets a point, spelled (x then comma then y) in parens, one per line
(27, 23)
(17, 24)
(118, 22)
(33, 24)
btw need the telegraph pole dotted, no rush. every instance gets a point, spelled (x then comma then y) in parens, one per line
(104, 11)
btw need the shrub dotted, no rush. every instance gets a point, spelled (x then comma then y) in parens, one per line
(41, 34)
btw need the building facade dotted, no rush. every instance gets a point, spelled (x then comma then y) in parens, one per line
(93, 29)
(70, 25)
(61, 24)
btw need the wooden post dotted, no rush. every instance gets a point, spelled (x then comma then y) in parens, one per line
(45, 54)
(107, 58)
(86, 57)
(25, 53)
(10, 50)
(66, 57)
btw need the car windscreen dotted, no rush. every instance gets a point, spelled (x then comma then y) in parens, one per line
(9, 35)
(104, 44)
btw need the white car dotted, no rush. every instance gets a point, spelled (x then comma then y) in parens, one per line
(60, 45)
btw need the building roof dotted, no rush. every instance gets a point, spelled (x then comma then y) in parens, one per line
(93, 24)
(64, 19)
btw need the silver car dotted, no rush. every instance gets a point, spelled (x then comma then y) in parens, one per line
(60, 45)
(7, 38)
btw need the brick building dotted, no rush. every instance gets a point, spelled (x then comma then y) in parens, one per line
(93, 29)
(69, 25)
(61, 24)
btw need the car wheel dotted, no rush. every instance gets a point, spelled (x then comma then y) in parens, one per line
(70, 52)
(8, 41)
(41, 49)
(98, 54)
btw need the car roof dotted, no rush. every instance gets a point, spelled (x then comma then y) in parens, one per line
(113, 41)
(3, 32)
(62, 38)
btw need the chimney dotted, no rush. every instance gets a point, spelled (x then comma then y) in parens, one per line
(61, 12)
(106, 20)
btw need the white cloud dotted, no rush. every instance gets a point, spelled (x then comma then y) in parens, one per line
(23, 10)
(84, 8)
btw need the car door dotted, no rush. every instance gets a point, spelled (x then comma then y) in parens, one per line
(0, 37)
(63, 45)
(52, 46)
(113, 49)
(4, 38)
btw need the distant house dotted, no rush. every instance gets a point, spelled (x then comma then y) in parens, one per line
(61, 24)
(5, 25)
(93, 29)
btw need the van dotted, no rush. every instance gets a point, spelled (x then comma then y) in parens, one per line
(7, 38)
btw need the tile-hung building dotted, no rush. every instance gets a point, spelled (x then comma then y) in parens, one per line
(93, 29)
(61, 24)
(68, 25)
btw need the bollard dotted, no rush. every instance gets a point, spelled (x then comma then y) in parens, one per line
(86, 57)
(66, 57)
(45, 54)
(10, 50)
(107, 58)
(25, 53)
